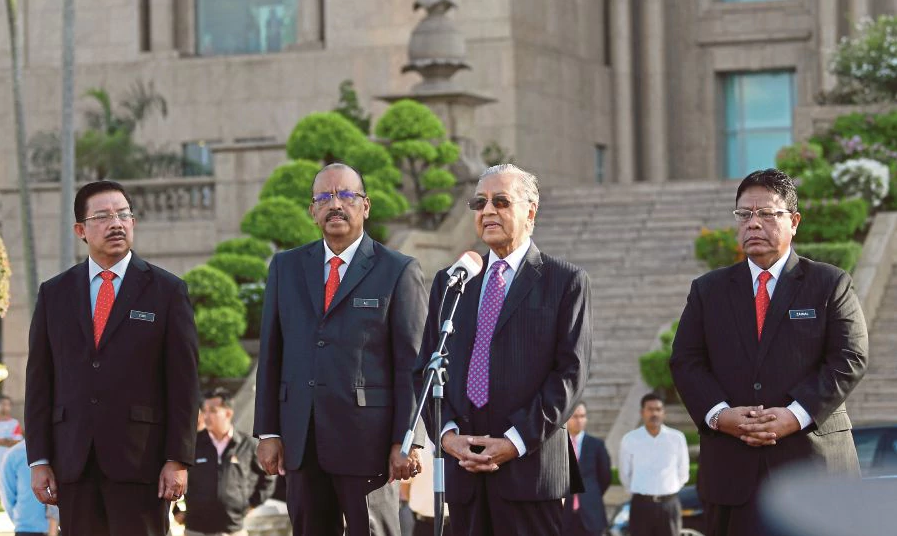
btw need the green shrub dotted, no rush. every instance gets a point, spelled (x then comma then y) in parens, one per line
(246, 245)
(229, 361)
(666, 338)
(253, 297)
(831, 220)
(866, 59)
(437, 203)
(414, 149)
(383, 206)
(323, 136)
(718, 248)
(281, 221)
(243, 268)
(844, 255)
(799, 158)
(655, 365)
(368, 157)
(292, 180)
(210, 287)
(692, 437)
(219, 326)
(816, 183)
(447, 152)
(386, 176)
(408, 120)
(437, 179)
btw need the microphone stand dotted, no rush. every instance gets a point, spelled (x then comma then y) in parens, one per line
(436, 377)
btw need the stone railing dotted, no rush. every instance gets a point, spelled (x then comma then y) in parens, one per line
(175, 199)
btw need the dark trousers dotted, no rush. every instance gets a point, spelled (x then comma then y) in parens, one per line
(97, 506)
(573, 525)
(650, 518)
(488, 514)
(318, 501)
(739, 520)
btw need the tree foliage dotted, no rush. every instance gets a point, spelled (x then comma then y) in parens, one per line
(323, 136)
(281, 221)
(245, 245)
(292, 180)
(243, 268)
(350, 108)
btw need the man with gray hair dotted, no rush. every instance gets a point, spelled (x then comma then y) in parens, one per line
(519, 361)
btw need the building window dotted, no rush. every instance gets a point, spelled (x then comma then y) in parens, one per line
(198, 159)
(600, 162)
(145, 26)
(758, 109)
(225, 27)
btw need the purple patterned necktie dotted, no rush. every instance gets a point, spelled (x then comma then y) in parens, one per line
(478, 371)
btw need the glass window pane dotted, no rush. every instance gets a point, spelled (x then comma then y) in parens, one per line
(733, 157)
(226, 27)
(760, 149)
(198, 160)
(766, 100)
(730, 94)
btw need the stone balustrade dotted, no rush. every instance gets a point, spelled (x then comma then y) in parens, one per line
(175, 199)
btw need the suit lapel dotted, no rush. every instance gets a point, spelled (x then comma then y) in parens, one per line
(137, 277)
(790, 281)
(741, 297)
(530, 272)
(313, 269)
(82, 302)
(361, 264)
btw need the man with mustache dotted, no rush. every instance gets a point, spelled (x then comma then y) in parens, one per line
(111, 384)
(341, 328)
(766, 354)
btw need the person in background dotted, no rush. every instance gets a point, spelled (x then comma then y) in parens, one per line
(653, 468)
(10, 429)
(226, 480)
(28, 515)
(584, 513)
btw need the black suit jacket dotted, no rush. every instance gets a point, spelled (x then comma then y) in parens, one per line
(815, 361)
(350, 366)
(538, 367)
(134, 398)
(594, 466)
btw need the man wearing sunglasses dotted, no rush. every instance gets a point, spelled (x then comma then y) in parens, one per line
(766, 353)
(518, 363)
(341, 328)
(111, 385)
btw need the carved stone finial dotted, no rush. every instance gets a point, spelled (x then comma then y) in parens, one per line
(437, 49)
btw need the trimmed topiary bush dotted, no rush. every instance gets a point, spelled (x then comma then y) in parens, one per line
(243, 268)
(718, 248)
(210, 287)
(292, 180)
(246, 245)
(253, 297)
(324, 136)
(228, 361)
(831, 220)
(437, 203)
(655, 365)
(844, 255)
(409, 120)
(281, 221)
(219, 326)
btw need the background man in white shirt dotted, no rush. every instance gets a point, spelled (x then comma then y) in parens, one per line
(654, 467)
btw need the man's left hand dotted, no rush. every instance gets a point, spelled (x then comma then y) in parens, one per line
(783, 425)
(172, 481)
(402, 467)
(500, 450)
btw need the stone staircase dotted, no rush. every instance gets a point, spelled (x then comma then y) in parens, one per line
(637, 244)
(875, 399)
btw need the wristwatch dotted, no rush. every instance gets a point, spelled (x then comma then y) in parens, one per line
(714, 420)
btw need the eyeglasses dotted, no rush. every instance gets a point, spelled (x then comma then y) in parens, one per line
(498, 201)
(346, 196)
(743, 215)
(106, 217)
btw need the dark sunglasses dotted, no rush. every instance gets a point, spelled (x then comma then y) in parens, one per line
(346, 196)
(498, 201)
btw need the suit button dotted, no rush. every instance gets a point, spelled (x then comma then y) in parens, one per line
(311, 383)
(321, 344)
(96, 364)
(757, 386)
(93, 400)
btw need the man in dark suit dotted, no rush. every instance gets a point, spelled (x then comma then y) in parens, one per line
(766, 354)
(518, 365)
(584, 513)
(341, 327)
(111, 387)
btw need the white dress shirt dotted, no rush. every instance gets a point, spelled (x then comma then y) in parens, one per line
(514, 260)
(654, 465)
(803, 417)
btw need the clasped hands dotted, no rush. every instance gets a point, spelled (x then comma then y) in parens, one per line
(496, 451)
(758, 426)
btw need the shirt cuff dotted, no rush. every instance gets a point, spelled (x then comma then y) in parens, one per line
(802, 416)
(714, 409)
(514, 437)
(449, 426)
(39, 462)
(268, 436)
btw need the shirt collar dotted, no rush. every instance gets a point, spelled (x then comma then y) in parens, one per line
(578, 437)
(119, 268)
(775, 270)
(347, 253)
(514, 259)
(227, 437)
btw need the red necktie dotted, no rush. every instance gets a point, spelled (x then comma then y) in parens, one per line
(761, 301)
(332, 282)
(575, 495)
(105, 299)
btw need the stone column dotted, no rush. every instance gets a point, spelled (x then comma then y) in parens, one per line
(162, 28)
(653, 92)
(309, 29)
(827, 21)
(859, 9)
(624, 116)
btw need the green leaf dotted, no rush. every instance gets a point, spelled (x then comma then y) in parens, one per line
(281, 221)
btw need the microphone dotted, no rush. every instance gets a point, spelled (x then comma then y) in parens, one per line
(469, 265)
